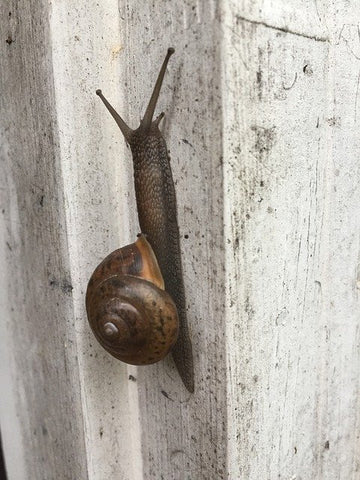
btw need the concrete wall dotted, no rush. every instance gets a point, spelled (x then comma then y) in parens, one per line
(262, 124)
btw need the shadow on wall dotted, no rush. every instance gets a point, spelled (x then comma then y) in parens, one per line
(2, 464)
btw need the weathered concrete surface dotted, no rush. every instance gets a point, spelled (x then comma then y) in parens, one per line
(262, 112)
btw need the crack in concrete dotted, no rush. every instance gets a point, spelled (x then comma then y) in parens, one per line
(283, 29)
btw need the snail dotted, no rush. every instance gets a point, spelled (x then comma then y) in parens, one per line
(157, 251)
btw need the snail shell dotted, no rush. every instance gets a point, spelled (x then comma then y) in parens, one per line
(130, 313)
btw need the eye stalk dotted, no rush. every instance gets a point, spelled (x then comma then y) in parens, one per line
(147, 120)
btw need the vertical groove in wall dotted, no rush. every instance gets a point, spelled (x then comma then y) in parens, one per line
(183, 435)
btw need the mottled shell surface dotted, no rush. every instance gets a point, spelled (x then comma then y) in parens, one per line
(131, 315)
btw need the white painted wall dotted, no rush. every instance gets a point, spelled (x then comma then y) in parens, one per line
(262, 112)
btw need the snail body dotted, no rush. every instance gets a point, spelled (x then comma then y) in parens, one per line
(130, 313)
(156, 205)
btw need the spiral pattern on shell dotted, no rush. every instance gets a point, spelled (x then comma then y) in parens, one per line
(131, 315)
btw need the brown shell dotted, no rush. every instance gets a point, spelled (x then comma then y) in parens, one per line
(131, 315)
